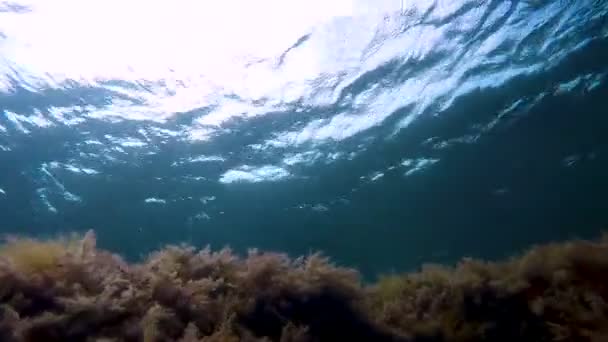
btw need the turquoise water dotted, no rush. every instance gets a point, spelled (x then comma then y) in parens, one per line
(385, 134)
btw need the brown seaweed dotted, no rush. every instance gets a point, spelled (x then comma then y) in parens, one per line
(67, 289)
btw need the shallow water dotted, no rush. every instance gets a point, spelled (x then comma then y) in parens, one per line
(385, 134)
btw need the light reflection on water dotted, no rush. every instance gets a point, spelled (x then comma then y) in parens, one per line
(189, 97)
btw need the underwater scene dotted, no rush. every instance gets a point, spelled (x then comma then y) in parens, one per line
(343, 170)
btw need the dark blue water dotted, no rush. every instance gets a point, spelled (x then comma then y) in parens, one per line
(386, 134)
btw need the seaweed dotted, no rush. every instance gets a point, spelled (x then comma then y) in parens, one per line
(67, 289)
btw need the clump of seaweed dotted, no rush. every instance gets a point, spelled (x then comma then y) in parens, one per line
(69, 290)
(554, 292)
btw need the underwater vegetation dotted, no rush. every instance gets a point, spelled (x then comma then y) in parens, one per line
(69, 290)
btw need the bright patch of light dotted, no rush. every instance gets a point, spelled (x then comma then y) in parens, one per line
(249, 174)
(84, 170)
(72, 168)
(19, 120)
(202, 159)
(376, 175)
(154, 200)
(125, 142)
(67, 195)
(66, 115)
(207, 199)
(200, 134)
(199, 159)
(417, 165)
(42, 193)
(306, 158)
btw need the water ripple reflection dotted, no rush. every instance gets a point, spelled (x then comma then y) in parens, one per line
(178, 102)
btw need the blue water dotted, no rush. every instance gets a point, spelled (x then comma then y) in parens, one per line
(383, 133)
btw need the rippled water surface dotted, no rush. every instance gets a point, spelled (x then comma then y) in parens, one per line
(385, 133)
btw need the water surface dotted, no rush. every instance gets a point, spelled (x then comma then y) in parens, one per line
(385, 134)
